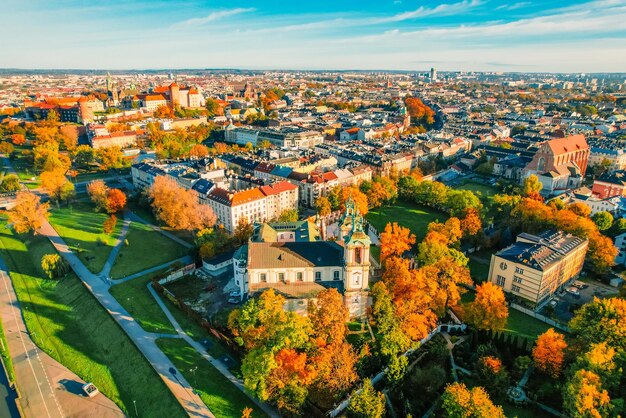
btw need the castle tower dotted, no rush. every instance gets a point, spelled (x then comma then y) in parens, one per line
(174, 95)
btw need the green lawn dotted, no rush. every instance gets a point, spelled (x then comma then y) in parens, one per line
(70, 325)
(81, 228)
(408, 214)
(375, 251)
(218, 393)
(146, 248)
(478, 270)
(6, 356)
(523, 325)
(137, 300)
(484, 192)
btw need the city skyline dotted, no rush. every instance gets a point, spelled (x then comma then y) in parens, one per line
(463, 35)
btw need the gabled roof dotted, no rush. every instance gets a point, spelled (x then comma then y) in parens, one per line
(568, 144)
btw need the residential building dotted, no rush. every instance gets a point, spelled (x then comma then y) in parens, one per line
(537, 266)
(610, 184)
(620, 243)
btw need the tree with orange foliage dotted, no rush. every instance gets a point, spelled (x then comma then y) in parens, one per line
(177, 207)
(488, 311)
(419, 112)
(471, 223)
(109, 223)
(549, 352)
(57, 185)
(18, 139)
(580, 209)
(115, 200)
(97, 191)
(532, 215)
(287, 383)
(221, 148)
(449, 278)
(328, 315)
(357, 196)
(492, 375)
(335, 367)
(199, 151)
(602, 252)
(584, 396)
(448, 233)
(29, 213)
(395, 240)
(164, 112)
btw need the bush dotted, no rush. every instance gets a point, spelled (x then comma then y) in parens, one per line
(54, 266)
(109, 224)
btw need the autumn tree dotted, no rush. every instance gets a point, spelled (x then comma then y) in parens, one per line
(395, 240)
(10, 183)
(164, 112)
(367, 403)
(460, 402)
(335, 368)
(419, 112)
(580, 209)
(46, 157)
(6, 148)
(549, 352)
(199, 151)
(450, 279)
(212, 107)
(601, 253)
(322, 206)
(243, 231)
(489, 310)
(359, 198)
(97, 191)
(54, 266)
(493, 376)
(115, 200)
(603, 360)
(18, 139)
(584, 396)
(109, 157)
(108, 226)
(532, 186)
(470, 222)
(29, 213)
(601, 320)
(83, 156)
(328, 315)
(287, 383)
(59, 188)
(177, 207)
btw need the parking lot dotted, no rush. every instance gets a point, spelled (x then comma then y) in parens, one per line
(567, 303)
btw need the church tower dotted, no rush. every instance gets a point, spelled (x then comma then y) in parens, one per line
(356, 244)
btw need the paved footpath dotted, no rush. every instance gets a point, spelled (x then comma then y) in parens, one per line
(144, 341)
(46, 388)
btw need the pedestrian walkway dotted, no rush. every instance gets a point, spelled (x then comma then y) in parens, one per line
(108, 265)
(202, 351)
(144, 341)
(46, 388)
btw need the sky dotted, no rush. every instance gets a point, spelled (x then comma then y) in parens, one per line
(453, 35)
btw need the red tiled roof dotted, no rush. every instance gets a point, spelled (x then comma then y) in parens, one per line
(280, 187)
(568, 144)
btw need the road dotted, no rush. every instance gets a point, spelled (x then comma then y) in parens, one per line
(145, 341)
(46, 387)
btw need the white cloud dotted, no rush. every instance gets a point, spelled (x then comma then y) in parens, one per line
(514, 6)
(214, 16)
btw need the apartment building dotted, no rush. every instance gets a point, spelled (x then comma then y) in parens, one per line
(537, 266)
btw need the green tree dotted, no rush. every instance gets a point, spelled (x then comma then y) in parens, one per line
(601, 320)
(212, 107)
(603, 219)
(368, 403)
(10, 183)
(459, 200)
(84, 156)
(54, 266)
(288, 215)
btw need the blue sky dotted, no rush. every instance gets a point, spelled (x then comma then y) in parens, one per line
(465, 35)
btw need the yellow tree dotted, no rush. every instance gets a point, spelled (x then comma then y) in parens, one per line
(57, 185)
(549, 352)
(328, 315)
(584, 397)
(489, 310)
(395, 240)
(29, 213)
(460, 402)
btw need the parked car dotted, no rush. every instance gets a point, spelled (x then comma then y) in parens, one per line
(235, 294)
(580, 285)
(553, 303)
(90, 389)
(234, 301)
(573, 291)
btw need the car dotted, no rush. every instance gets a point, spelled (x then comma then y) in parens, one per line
(554, 302)
(573, 291)
(580, 285)
(235, 294)
(234, 301)
(90, 389)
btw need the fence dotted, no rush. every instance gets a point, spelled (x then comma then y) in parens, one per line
(442, 327)
(178, 274)
(540, 317)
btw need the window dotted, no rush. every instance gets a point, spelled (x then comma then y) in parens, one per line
(357, 279)
(318, 276)
(515, 288)
(519, 270)
(357, 255)
(263, 277)
(336, 275)
(517, 279)
(299, 276)
(281, 277)
(500, 280)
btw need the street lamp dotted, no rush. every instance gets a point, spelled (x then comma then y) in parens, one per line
(195, 380)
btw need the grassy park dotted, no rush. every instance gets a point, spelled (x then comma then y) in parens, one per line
(217, 392)
(70, 325)
(81, 228)
(134, 296)
(146, 248)
(407, 214)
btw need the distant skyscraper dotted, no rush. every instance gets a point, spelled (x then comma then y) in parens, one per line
(433, 74)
